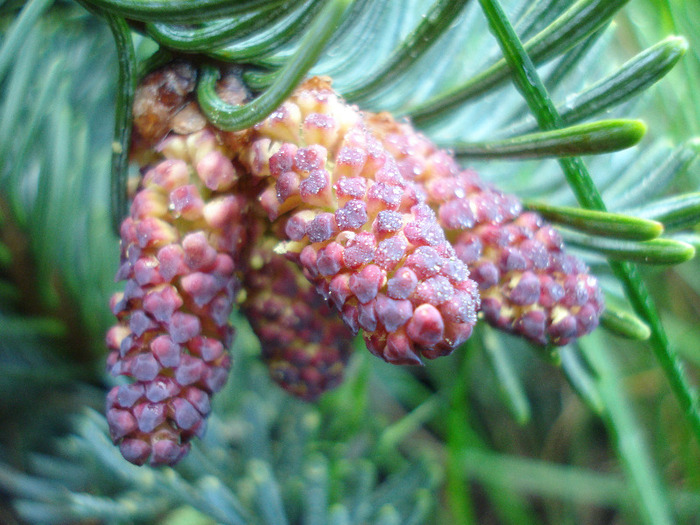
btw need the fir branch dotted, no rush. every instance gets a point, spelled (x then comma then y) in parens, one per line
(528, 82)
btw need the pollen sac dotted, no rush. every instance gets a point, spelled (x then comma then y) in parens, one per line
(359, 229)
(181, 265)
(528, 284)
(531, 288)
(304, 345)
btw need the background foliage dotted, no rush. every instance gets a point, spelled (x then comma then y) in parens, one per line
(499, 432)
